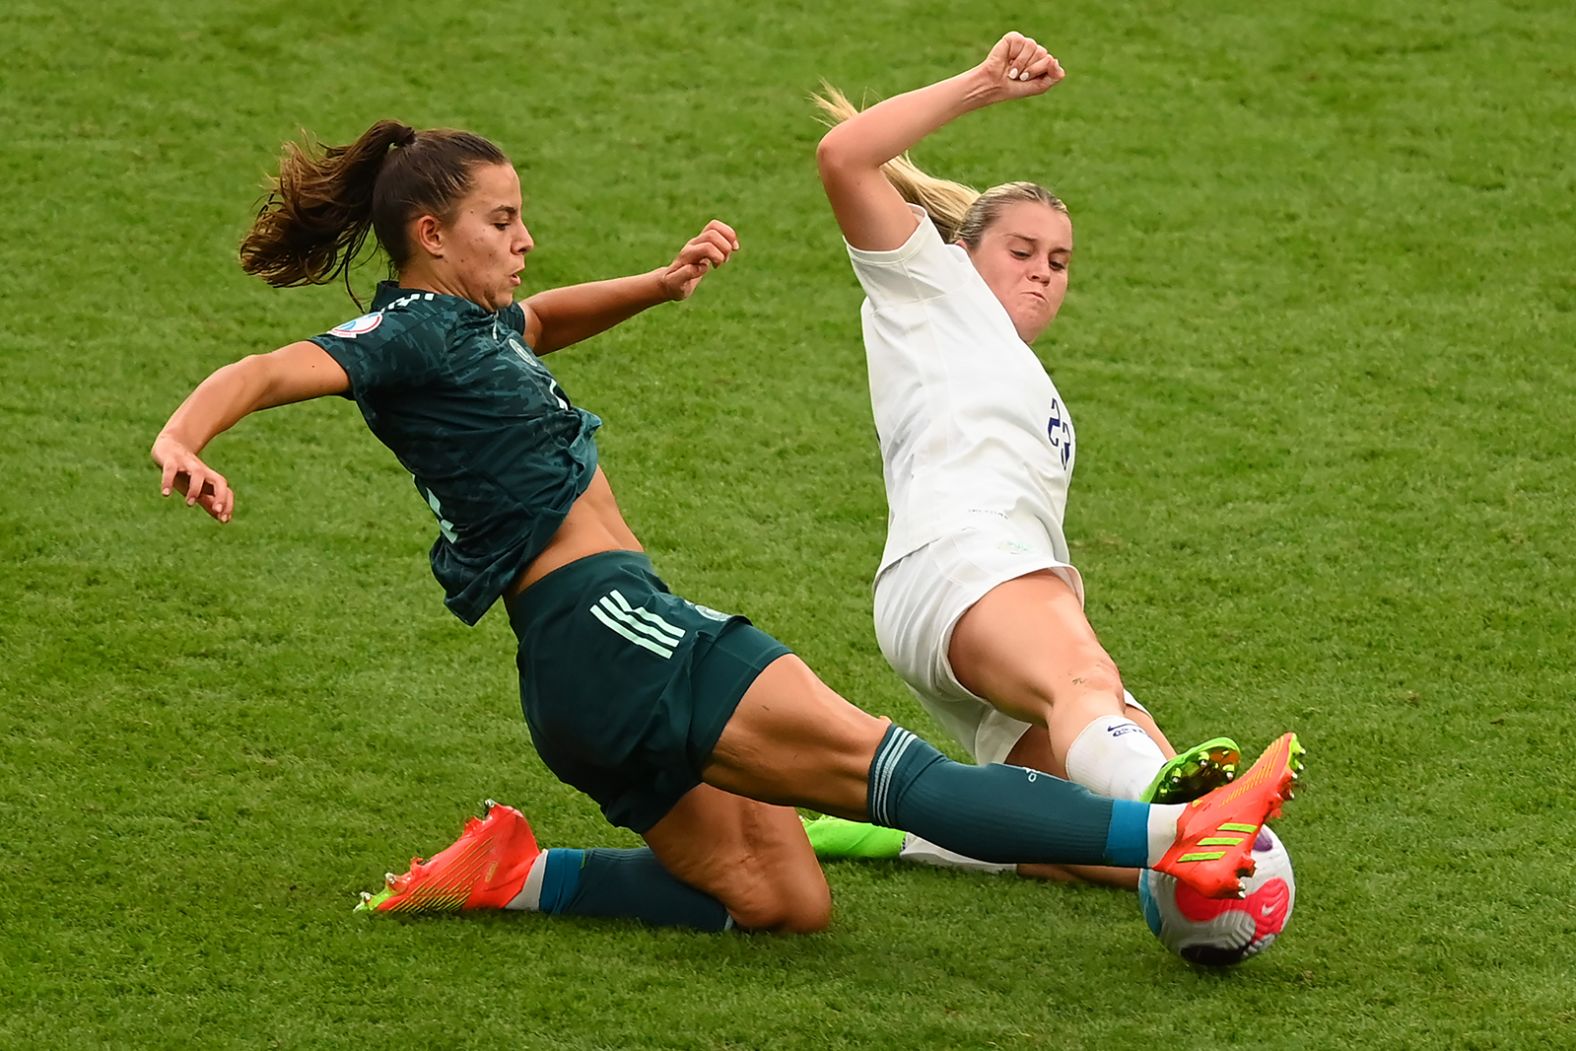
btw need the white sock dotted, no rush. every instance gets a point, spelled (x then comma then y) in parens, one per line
(1113, 756)
(925, 852)
(1163, 829)
(530, 897)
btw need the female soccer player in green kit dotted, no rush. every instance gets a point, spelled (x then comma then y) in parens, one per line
(977, 605)
(688, 726)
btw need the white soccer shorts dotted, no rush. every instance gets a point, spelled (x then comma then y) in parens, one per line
(918, 602)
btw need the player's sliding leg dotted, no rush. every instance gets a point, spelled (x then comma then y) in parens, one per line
(1181, 777)
(793, 740)
(1002, 813)
(1027, 659)
(1027, 649)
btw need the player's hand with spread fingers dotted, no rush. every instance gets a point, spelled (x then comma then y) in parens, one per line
(1018, 67)
(704, 252)
(185, 473)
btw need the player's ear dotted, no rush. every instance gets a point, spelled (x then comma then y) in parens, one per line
(426, 234)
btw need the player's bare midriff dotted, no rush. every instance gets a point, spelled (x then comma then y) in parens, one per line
(593, 525)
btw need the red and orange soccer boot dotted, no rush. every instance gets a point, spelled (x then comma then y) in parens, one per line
(484, 869)
(1213, 849)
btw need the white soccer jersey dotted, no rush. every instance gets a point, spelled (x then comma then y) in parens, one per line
(970, 423)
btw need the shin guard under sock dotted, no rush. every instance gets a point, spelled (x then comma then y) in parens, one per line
(630, 884)
(1001, 813)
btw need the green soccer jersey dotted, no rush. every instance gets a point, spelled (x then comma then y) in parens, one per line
(495, 447)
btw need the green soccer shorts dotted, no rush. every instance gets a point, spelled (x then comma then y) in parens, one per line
(625, 686)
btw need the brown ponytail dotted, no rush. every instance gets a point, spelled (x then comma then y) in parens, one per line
(321, 205)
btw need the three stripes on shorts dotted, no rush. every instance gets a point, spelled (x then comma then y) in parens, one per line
(640, 626)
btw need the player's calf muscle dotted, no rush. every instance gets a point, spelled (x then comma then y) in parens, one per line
(794, 741)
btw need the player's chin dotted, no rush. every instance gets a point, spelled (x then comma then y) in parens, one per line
(1031, 324)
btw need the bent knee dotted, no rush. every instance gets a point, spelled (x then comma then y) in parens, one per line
(811, 912)
(1097, 672)
(1034, 696)
(804, 908)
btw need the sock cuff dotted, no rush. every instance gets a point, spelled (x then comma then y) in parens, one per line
(530, 895)
(1127, 840)
(900, 758)
(560, 878)
(894, 744)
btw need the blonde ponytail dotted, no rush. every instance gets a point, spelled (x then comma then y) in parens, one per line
(961, 213)
(945, 201)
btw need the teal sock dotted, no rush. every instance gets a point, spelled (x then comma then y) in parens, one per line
(626, 884)
(1001, 813)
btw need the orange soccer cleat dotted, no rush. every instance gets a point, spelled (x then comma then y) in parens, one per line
(484, 869)
(1214, 845)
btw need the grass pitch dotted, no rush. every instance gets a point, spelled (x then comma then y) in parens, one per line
(1317, 346)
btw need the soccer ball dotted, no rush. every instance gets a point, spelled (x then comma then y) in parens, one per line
(1218, 932)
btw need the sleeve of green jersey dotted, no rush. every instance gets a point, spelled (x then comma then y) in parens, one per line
(387, 349)
(514, 316)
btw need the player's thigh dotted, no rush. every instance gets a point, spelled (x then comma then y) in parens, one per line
(751, 856)
(792, 740)
(1027, 640)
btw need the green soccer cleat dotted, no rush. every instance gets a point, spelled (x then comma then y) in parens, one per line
(370, 902)
(835, 837)
(1194, 772)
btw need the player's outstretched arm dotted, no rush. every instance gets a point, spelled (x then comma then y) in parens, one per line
(869, 210)
(560, 317)
(293, 373)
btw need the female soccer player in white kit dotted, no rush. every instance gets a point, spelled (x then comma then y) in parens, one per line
(977, 605)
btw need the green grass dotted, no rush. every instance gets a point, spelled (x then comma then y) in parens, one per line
(1318, 348)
